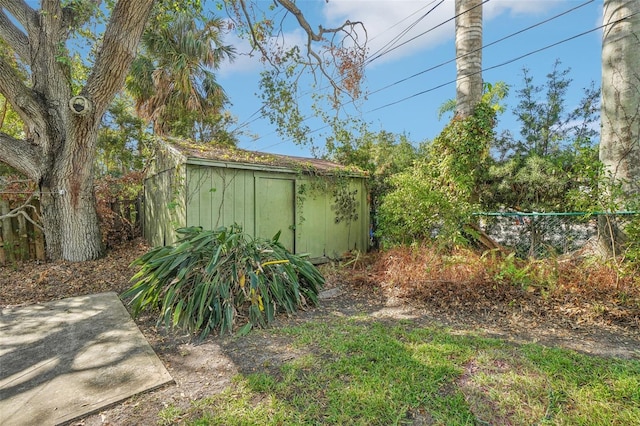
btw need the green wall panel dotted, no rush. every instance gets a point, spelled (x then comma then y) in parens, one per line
(275, 209)
(262, 202)
(317, 230)
(164, 206)
(220, 197)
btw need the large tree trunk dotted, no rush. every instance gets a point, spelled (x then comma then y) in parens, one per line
(620, 136)
(59, 150)
(620, 110)
(68, 203)
(468, 56)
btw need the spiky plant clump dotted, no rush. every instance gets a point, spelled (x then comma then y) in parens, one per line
(214, 280)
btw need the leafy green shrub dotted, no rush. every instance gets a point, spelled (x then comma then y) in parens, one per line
(211, 279)
(527, 274)
(435, 197)
(417, 211)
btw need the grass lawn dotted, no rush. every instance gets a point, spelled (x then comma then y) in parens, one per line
(361, 371)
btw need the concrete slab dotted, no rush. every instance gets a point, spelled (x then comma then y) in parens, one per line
(68, 358)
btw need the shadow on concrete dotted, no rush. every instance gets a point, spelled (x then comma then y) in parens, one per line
(68, 358)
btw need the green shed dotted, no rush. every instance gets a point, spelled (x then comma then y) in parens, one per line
(319, 207)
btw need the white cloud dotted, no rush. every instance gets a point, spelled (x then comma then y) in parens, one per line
(245, 61)
(386, 20)
(248, 61)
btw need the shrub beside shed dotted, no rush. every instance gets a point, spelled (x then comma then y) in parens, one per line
(320, 208)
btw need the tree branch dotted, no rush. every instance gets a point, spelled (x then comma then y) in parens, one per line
(118, 50)
(14, 37)
(348, 53)
(254, 36)
(20, 211)
(347, 60)
(291, 7)
(19, 10)
(21, 98)
(21, 155)
(79, 12)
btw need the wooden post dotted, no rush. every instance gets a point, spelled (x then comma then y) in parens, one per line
(3, 255)
(7, 234)
(23, 239)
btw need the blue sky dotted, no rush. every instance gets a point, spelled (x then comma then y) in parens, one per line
(417, 116)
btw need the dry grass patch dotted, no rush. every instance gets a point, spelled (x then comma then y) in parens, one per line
(574, 291)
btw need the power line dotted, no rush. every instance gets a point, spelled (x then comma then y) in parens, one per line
(406, 30)
(390, 45)
(249, 120)
(503, 63)
(404, 19)
(483, 47)
(452, 60)
(485, 69)
(435, 27)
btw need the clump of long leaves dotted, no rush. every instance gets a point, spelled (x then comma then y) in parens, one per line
(213, 280)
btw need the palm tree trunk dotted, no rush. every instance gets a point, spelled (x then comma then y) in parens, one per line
(620, 111)
(468, 56)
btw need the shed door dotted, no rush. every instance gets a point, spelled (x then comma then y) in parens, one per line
(275, 205)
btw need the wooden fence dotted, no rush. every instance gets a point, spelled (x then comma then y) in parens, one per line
(21, 240)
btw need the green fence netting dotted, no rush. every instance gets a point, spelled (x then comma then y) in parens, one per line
(542, 235)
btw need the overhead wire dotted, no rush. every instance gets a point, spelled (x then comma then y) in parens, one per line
(434, 27)
(481, 48)
(510, 61)
(486, 69)
(404, 32)
(390, 46)
(452, 60)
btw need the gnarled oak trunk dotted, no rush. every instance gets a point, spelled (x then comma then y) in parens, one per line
(58, 151)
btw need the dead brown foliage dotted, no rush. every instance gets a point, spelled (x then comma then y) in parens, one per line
(25, 283)
(116, 204)
(569, 292)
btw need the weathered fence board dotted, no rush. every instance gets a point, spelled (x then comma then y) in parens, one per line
(21, 240)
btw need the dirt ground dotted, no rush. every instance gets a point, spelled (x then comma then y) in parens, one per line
(207, 368)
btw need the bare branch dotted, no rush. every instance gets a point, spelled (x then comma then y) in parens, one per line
(347, 60)
(343, 70)
(20, 211)
(14, 37)
(291, 7)
(348, 27)
(254, 37)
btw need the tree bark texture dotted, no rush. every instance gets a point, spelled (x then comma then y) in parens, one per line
(58, 151)
(468, 56)
(620, 113)
(620, 135)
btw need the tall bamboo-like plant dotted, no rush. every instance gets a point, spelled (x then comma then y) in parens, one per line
(213, 280)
